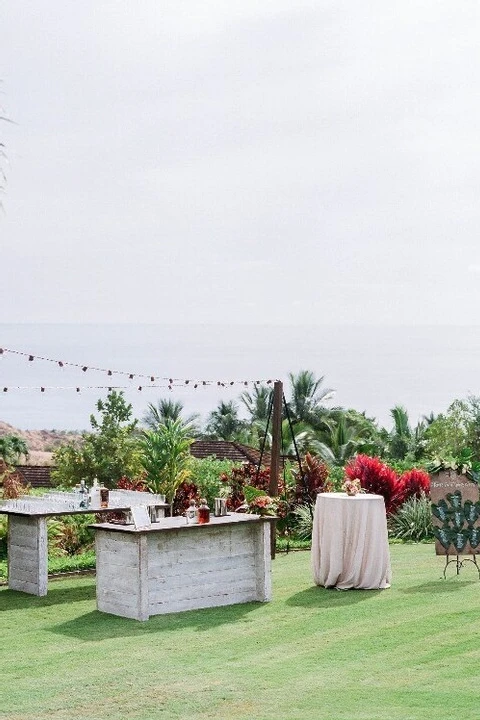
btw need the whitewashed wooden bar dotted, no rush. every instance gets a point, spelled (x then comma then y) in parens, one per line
(173, 566)
(27, 539)
(28, 555)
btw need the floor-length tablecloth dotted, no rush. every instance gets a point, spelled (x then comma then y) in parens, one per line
(350, 542)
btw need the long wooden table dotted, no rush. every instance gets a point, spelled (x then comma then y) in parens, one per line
(27, 532)
(173, 566)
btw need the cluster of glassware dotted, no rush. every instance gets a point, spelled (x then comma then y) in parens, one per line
(80, 499)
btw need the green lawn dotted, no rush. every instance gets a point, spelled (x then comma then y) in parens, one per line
(406, 653)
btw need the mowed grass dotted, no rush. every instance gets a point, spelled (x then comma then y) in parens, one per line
(407, 653)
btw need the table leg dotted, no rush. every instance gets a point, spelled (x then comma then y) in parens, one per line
(27, 554)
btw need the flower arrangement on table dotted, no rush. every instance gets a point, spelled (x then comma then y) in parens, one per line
(259, 503)
(352, 487)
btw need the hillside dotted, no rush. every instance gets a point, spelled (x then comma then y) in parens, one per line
(40, 443)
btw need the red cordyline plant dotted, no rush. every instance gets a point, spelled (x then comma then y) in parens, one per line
(246, 475)
(314, 480)
(413, 483)
(378, 478)
(186, 491)
(138, 484)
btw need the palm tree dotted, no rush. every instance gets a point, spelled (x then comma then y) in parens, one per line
(307, 399)
(172, 410)
(401, 435)
(257, 403)
(224, 423)
(342, 443)
(258, 406)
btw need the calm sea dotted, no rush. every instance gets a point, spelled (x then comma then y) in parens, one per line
(371, 368)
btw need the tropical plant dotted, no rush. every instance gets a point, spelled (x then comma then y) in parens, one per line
(165, 457)
(412, 520)
(463, 464)
(342, 442)
(401, 435)
(107, 453)
(451, 432)
(303, 521)
(307, 398)
(167, 409)
(207, 474)
(376, 477)
(257, 403)
(242, 475)
(12, 448)
(414, 483)
(224, 423)
(11, 483)
(259, 503)
(71, 535)
(312, 480)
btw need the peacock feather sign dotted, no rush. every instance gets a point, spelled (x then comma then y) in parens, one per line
(456, 513)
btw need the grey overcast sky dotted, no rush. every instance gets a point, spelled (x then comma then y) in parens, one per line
(274, 161)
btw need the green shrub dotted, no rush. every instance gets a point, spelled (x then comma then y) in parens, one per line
(70, 535)
(336, 477)
(207, 474)
(413, 520)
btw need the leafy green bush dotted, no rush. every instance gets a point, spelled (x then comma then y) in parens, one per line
(70, 535)
(413, 520)
(207, 476)
(336, 477)
(85, 561)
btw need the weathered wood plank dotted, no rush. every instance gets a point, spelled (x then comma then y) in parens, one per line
(206, 590)
(31, 588)
(198, 603)
(158, 565)
(224, 578)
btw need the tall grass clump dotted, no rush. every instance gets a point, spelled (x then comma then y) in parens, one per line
(413, 520)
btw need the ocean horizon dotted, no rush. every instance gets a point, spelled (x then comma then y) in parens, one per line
(372, 368)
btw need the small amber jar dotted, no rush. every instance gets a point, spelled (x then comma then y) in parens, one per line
(104, 497)
(203, 512)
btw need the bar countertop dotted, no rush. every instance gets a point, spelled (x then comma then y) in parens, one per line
(179, 523)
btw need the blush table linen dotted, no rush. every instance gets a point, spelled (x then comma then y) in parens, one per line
(350, 542)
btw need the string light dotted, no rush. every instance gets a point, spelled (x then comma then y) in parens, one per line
(172, 382)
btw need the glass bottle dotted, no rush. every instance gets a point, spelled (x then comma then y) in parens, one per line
(203, 512)
(191, 513)
(103, 496)
(83, 495)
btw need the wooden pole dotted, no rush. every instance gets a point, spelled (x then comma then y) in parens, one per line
(276, 446)
(276, 437)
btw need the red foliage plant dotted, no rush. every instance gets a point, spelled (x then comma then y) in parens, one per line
(137, 484)
(12, 483)
(378, 478)
(185, 492)
(314, 481)
(413, 483)
(246, 475)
